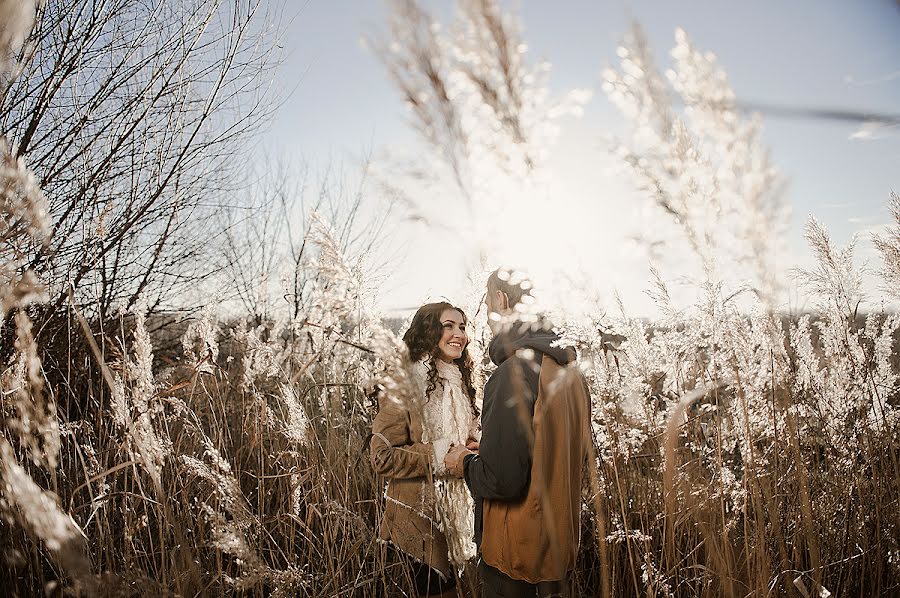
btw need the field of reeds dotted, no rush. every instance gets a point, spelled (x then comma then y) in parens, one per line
(738, 450)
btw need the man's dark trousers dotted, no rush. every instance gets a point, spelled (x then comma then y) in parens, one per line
(496, 584)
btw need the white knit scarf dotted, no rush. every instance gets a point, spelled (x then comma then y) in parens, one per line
(448, 419)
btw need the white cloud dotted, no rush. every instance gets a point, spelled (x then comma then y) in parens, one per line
(850, 80)
(870, 131)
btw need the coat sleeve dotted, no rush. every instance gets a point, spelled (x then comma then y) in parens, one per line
(392, 451)
(502, 468)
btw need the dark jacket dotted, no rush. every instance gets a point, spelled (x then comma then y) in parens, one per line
(534, 444)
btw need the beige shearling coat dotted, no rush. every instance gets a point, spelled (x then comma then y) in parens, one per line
(398, 453)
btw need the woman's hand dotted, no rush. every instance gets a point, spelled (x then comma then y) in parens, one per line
(472, 444)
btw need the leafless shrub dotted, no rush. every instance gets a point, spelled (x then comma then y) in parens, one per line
(128, 113)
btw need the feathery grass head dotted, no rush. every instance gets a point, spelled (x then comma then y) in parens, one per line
(889, 247)
(16, 20)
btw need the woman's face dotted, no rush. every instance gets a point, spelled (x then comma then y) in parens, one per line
(453, 339)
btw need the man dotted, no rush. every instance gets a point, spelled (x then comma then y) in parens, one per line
(526, 476)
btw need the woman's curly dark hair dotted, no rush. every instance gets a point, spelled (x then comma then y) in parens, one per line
(422, 339)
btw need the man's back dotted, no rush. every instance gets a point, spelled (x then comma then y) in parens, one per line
(534, 445)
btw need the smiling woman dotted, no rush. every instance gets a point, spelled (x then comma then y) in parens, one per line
(409, 442)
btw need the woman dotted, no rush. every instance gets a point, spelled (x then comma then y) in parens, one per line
(428, 515)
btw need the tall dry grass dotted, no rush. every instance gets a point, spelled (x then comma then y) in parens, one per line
(239, 467)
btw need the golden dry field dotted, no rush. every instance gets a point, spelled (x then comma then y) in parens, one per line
(217, 444)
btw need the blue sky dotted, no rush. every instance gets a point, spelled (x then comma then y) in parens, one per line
(809, 54)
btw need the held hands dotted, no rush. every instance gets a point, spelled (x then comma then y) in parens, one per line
(455, 457)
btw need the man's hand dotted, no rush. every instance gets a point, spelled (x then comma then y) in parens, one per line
(454, 460)
(472, 444)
